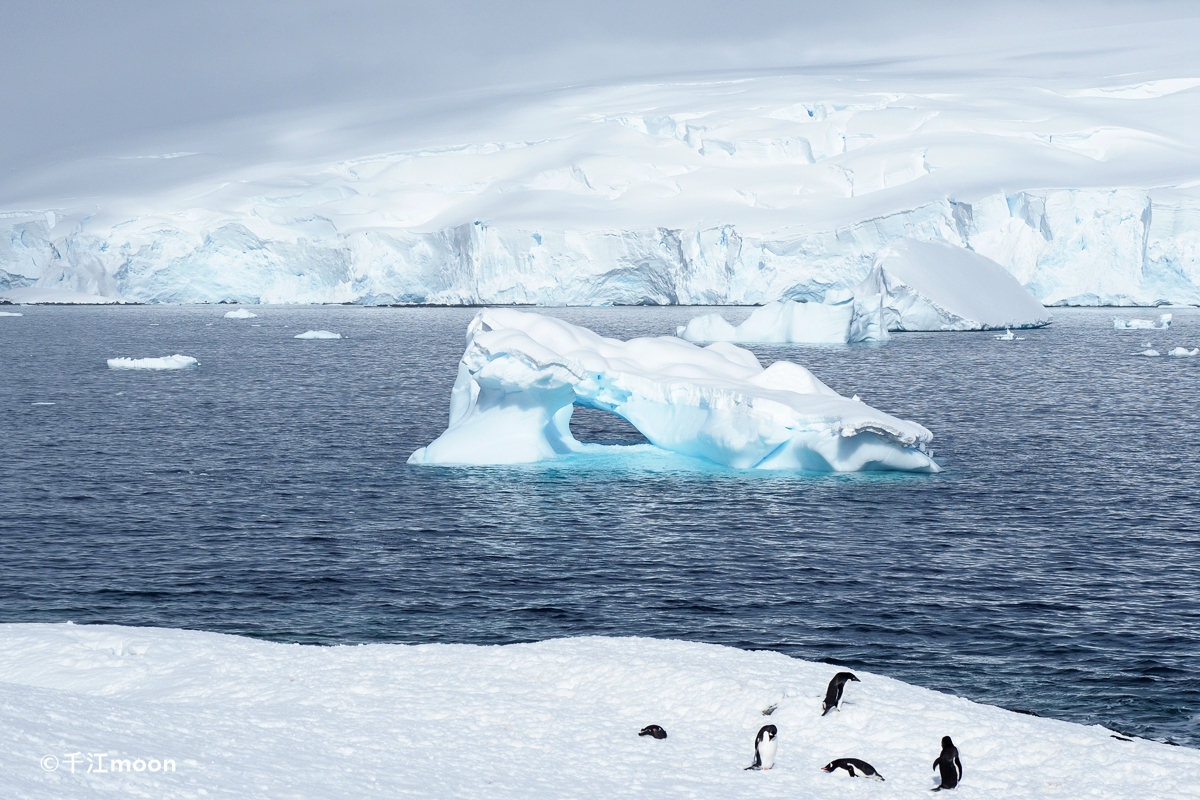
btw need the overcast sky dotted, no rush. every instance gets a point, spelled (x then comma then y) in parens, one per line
(81, 75)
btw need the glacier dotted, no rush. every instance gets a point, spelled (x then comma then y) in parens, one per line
(714, 189)
(522, 374)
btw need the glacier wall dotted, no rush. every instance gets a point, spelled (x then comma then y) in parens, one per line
(1070, 247)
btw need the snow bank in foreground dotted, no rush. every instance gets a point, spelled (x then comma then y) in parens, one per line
(167, 362)
(522, 373)
(247, 718)
(241, 313)
(789, 322)
(936, 286)
(317, 335)
(1163, 323)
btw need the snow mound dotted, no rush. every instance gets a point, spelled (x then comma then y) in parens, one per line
(241, 313)
(168, 362)
(1183, 352)
(789, 322)
(317, 335)
(1163, 323)
(470, 721)
(10, 314)
(522, 373)
(937, 286)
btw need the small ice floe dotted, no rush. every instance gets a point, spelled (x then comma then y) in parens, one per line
(1009, 336)
(1150, 351)
(9, 314)
(1180, 352)
(41, 404)
(1163, 323)
(241, 313)
(317, 335)
(168, 362)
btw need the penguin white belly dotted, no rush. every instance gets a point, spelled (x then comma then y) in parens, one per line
(766, 752)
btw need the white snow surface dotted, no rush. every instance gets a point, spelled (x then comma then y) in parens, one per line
(251, 719)
(789, 322)
(1072, 159)
(166, 362)
(317, 335)
(937, 286)
(241, 313)
(522, 374)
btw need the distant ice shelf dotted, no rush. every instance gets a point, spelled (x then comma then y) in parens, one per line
(729, 191)
(523, 373)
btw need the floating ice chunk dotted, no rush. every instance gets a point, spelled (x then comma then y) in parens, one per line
(1163, 323)
(317, 335)
(241, 313)
(789, 322)
(1149, 352)
(522, 373)
(1180, 352)
(936, 286)
(168, 362)
(1009, 336)
(9, 314)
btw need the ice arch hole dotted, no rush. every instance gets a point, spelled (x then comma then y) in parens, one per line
(600, 427)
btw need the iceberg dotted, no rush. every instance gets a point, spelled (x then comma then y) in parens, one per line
(167, 362)
(1163, 323)
(10, 314)
(1183, 352)
(1009, 336)
(1151, 352)
(790, 322)
(317, 335)
(241, 313)
(522, 373)
(937, 286)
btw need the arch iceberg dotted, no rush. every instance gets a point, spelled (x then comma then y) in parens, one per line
(522, 373)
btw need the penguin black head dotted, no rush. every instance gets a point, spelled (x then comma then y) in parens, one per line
(946, 742)
(653, 730)
(765, 730)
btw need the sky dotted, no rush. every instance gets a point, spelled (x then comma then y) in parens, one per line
(83, 78)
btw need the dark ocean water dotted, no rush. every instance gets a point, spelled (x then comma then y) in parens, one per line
(1053, 567)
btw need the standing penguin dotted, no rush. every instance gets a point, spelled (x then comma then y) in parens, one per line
(765, 745)
(949, 765)
(833, 695)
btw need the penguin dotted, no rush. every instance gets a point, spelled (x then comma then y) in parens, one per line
(855, 766)
(653, 730)
(833, 695)
(765, 745)
(948, 765)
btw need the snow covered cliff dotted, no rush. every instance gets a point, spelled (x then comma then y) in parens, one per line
(727, 190)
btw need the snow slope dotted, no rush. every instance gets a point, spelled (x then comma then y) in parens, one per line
(522, 375)
(251, 719)
(1067, 160)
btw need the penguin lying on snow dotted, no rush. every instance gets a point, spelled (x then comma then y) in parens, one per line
(765, 745)
(855, 766)
(949, 765)
(653, 730)
(833, 695)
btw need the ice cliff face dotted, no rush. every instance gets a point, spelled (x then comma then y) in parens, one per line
(740, 192)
